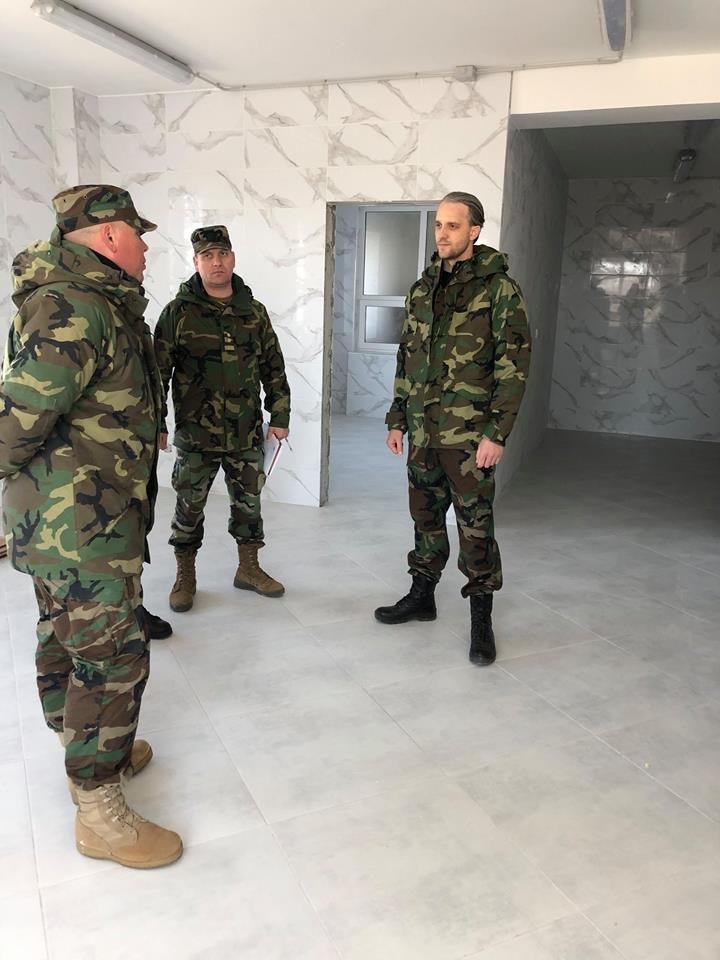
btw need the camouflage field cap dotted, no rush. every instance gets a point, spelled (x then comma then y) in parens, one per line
(91, 203)
(204, 238)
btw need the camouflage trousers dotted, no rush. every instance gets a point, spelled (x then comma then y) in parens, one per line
(92, 665)
(192, 478)
(438, 477)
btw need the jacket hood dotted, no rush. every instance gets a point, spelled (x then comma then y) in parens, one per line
(192, 291)
(59, 261)
(484, 262)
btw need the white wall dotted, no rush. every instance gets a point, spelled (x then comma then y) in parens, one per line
(640, 354)
(267, 163)
(27, 176)
(652, 88)
(533, 223)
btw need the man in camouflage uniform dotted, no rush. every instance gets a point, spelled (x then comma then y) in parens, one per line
(79, 422)
(462, 366)
(217, 345)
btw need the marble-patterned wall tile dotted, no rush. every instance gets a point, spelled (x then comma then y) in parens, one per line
(27, 163)
(296, 106)
(638, 344)
(291, 146)
(407, 100)
(87, 131)
(203, 112)
(132, 134)
(372, 143)
(286, 187)
(370, 383)
(372, 184)
(64, 137)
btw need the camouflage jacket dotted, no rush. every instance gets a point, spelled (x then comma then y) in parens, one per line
(218, 355)
(461, 375)
(80, 404)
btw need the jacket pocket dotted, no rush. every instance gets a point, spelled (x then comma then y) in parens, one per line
(99, 507)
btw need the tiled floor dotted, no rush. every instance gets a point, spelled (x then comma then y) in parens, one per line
(349, 790)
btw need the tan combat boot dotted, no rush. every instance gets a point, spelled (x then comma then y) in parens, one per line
(183, 591)
(139, 758)
(251, 576)
(106, 828)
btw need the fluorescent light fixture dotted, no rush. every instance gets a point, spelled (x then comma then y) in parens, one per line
(683, 165)
(616, 19)
(85, 25)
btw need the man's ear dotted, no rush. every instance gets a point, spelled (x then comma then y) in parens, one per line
(109, 236)
(475, 232)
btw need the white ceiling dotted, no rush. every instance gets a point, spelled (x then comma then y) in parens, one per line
(241, 42)
(636, 149)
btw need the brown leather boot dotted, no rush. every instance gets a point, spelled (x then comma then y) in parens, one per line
(251, 576)
(106, 828)
(139, 758)
(183, 591)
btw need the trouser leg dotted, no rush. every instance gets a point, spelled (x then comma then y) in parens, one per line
(53, 665)
(473, 491)
(244, 478)
(429, 494)
(192, 478)
(99, 625)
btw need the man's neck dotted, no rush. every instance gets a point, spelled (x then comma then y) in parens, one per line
(219, 293)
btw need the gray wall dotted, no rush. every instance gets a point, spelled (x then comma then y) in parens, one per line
(533, 222)
(638, 343)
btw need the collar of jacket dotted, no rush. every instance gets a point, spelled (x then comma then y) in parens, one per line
(60, 261)
(193, 291)
(484, 262)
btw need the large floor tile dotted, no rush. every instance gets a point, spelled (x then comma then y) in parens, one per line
(21, 927)
(235, 677)
(593, 822)
(305, 754)
(17, 858)
(192, 786)
(572, 938)
(680, 750)
(234, 897)
(374, 653)
(577, 680)
(466, 717)
(416, 874)
(666, 918)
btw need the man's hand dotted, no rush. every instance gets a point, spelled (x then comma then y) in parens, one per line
(278, 432)
(488, 454)
(395, 441)
(163, 441)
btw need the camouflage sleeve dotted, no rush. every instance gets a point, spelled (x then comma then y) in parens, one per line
(511, 335)
(49, 361)
(165, 356)
(272, 374)
(395, 417)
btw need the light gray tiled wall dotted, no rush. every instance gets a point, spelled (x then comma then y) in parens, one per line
(534, 204)
(638, 344)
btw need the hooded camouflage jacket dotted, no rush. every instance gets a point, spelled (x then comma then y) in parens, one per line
(461, 374)
(79, 415)
(218, 355)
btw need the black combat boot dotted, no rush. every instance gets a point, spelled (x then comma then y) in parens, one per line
(482, 638)
(157, 628)
(419, 604)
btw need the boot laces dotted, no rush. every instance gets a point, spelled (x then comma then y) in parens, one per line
(185, 574)
(117, 809)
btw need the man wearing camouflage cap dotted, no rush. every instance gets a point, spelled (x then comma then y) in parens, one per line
(216, 344)
(80, 405)
(461, 372)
